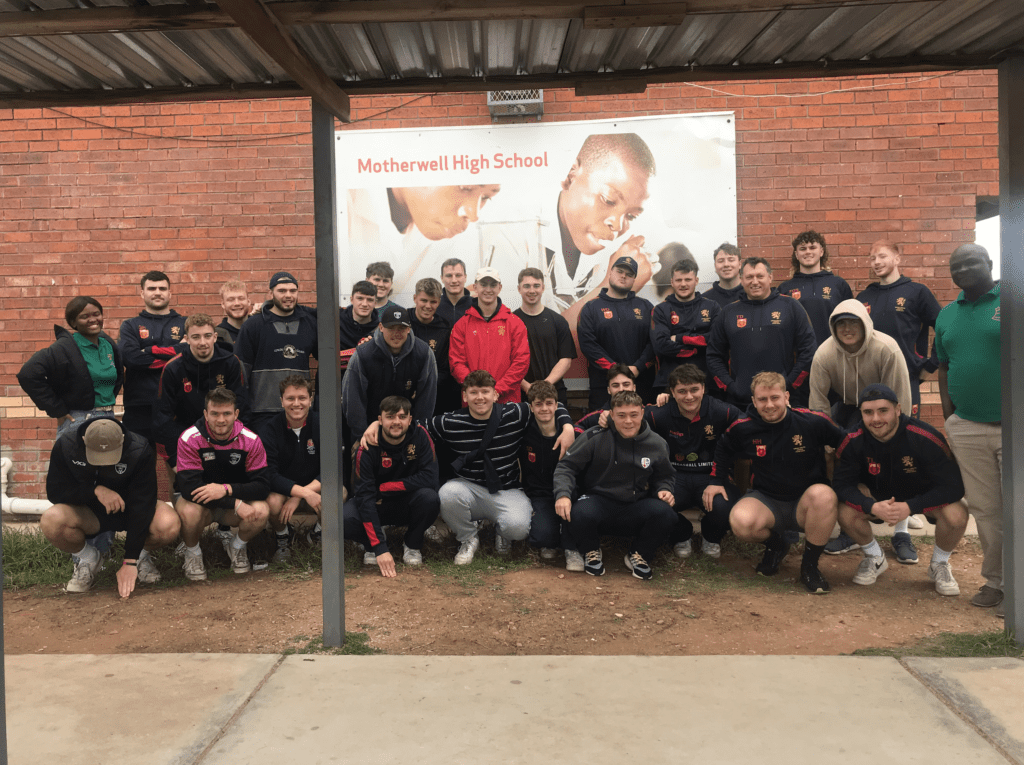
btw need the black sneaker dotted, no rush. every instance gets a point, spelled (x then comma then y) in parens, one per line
(774, 554)
(594, 563)
(905, 550)
(313, 537)
(641, 569)
(812, 579)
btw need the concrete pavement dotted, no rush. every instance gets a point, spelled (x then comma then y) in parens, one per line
(236, 709)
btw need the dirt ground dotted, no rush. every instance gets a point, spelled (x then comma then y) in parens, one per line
(690, 607)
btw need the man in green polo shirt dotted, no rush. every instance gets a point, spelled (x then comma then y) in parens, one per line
(967, 344)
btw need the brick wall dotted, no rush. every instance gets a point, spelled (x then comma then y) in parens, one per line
(94, 197)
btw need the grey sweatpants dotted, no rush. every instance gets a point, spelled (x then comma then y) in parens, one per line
(463, 503)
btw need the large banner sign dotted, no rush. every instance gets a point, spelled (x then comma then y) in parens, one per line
(567, 198)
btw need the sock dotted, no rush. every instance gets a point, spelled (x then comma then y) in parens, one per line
(194, 550)
(939, 555)
(812, 554)
(143, 554)
(902, 527)
(872, 549)
(88, 553)
(237, 543)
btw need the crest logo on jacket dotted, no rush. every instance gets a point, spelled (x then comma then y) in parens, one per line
(795, 294)
(908, 465)
(433, 344)
(410, 452)
(385, 462)
(176, 333)
(645, 462)
(776, 317)
(220, 381)
(675, 318)
(186, 385)
(530, 454)
(867, 307)
(310, 447)
(995, 316)
(235, 458)
(607, 313)
(705, 314)
(826, 292)
(873, 467)
(290, 352)
(762, 450)
(637, 313)
(143, 332)
(901, 304)
(741, 321)
(120, 468)
(798, 444)
(501, 330)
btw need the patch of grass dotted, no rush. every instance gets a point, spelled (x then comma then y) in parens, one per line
(952, 645)
(702, 574)
(356, 644)
(30, 560)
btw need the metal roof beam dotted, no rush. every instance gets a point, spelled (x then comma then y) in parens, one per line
(164, 18)
(257, 20)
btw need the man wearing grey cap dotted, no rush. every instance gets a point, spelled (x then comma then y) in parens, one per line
(492, 338)
(889, 468)
(103, 478)
(392, 363)
(273, 344)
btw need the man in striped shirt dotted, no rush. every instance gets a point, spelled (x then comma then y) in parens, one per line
(485, 438)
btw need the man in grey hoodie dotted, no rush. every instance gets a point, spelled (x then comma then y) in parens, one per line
(853, 358)
(623, 479)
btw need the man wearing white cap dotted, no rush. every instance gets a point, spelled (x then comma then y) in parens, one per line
(490, 337)
(103, 478)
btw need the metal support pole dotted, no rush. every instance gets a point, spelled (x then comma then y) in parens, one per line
(1011, 304)
(3, 674)
(328, 379)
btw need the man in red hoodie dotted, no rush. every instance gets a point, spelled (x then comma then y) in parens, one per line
(490, 337)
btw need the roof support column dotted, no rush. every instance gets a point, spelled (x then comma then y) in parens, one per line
(328, 377)
(1011, 212)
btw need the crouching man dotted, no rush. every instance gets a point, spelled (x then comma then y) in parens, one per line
(623, 479)
(103, 478)
(222, 478)
(395, 484)
(891, 467)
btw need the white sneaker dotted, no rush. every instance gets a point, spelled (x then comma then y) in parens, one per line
(683, 549)
(942, 575)
(179, 551)
(915, 522)
(870, 568)
(466, 551)
(548, 553)
(194, 568)
(502, 546)
(369, 559)
(240, 559)
(573, 561)
(223, 534)
(438, 532)
(411, 557)
(711, 549)
(85, 573)
(148, 573)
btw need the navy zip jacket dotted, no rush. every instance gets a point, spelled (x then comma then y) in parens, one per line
(73, 481)
(353, 334)
(436, 335)
(691, 443)
(374, 373)
(819, 294)
(537, 461)
(392, 472)
(271, 348)
(57, 379)
(914, 466)
(751, 336)
(722, 296)
(787, 457)
(615, 330)
(147, 342)
(181, 397)
(452, 313)
(904, 310)
(690, 323)
(291, 459)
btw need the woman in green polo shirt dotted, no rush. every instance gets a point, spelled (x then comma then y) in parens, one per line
(80, 375)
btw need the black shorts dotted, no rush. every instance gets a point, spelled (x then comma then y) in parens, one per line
(109, 521)
(783, 510)
(873, 519)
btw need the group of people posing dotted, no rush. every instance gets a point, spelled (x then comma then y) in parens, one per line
(803, 395)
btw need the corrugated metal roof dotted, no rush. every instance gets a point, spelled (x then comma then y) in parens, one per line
(437, 47)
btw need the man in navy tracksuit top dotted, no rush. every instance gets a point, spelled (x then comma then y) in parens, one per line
(727, 265)
(275, 343)
(393, 363)
(680, 326)
(814, 285)
(904, 310)
(788, 478)
(691, 424)
(357, 321)
(395, 484)
(538, 456)
(615, 328)
(763, 331)
(429, 326)
(146, 343)
(202, 365)
(887, 469)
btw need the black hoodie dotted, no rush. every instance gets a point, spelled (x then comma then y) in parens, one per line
(271, 348)
(722, 296)
(904, 310)
(181, 396)
(615, 331)
(819, 293)
(57, 379)
(690, 324)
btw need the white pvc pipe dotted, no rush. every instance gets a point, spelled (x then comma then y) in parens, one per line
(14, 504)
